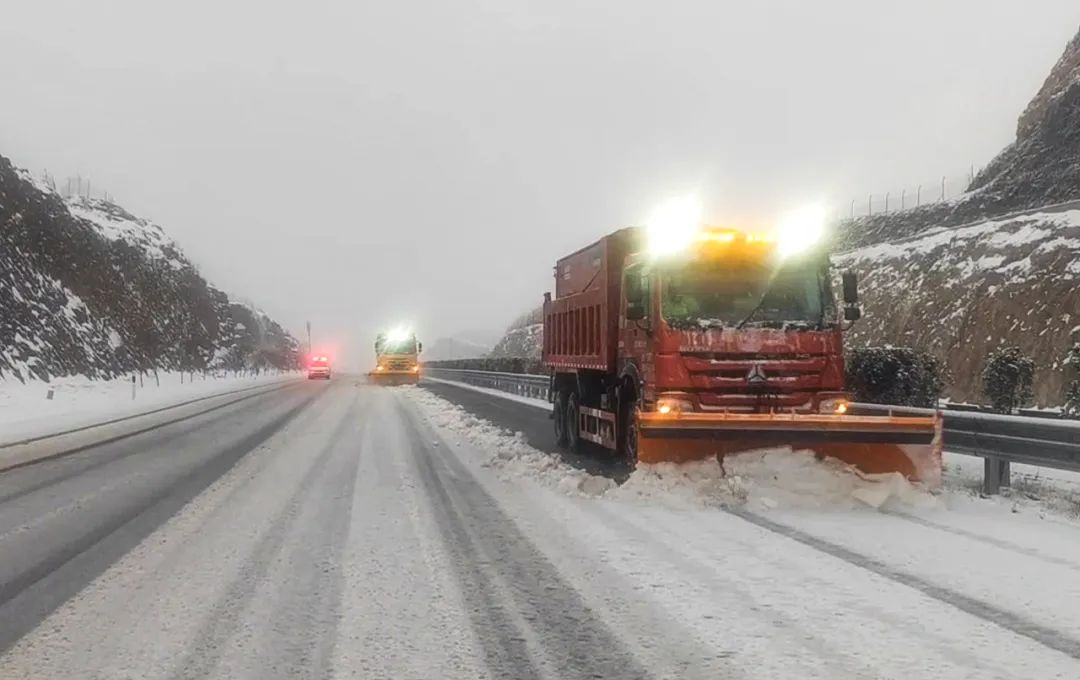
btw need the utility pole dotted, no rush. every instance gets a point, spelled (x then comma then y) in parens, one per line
(309, 337)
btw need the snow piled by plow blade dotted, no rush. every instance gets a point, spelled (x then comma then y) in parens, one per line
(773, 478)
(509, 454)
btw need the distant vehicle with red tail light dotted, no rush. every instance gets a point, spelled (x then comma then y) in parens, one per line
(318, 367)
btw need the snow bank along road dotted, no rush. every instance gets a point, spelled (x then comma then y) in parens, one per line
(345, 530)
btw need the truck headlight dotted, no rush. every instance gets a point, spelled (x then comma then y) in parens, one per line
(673, 225)
(801, 230)
(666, 405)
(380, 368)
(834, 405)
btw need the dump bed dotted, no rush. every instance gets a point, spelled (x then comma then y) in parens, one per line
(581, 323)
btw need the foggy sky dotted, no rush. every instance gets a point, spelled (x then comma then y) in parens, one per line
(363, 163)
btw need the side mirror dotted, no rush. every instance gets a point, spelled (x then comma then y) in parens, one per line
(637, 295)
(852, 312)
(851, 288)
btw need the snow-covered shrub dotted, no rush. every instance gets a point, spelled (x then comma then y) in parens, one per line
(895, 375)
(1007, 379)
(1071, 407)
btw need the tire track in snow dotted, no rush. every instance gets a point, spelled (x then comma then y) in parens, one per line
(682, 556)
(35, 593)
(310, 606)
(1013, 622)
(789, 628)
(127, 446)
(227, 615)
(502, 574)
(505, 649)
(982, 538)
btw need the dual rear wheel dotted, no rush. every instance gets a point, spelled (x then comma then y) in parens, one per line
(567, 423)
(568, 426)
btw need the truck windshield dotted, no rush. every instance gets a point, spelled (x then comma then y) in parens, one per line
(396, 346)
(708, 294)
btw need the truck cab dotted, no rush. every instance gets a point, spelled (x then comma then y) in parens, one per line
(733, 325)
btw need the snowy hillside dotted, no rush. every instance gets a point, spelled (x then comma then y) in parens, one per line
(523, 339)
(88, 289)
(116, 224)
(962, 292)
(997, 265)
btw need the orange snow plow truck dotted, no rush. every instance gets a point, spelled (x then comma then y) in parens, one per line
(668, 349)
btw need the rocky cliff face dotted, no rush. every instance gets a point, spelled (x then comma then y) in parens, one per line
(1040, 168)
(88, 289)
(998, 265)
(524, 338)
(1062, 79)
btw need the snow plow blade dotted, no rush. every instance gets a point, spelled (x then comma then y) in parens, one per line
(871, 444)
(383, 378)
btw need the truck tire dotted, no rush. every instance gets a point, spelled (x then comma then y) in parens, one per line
(558, 415)
(628, 433)
(573, 423)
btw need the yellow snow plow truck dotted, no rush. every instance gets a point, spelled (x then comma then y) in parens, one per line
(397, 358)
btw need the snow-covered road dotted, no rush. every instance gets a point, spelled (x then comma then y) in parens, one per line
(343, 530)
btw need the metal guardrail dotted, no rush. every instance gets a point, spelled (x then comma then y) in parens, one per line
(1044, 414)
(998, 439)
(534, 386)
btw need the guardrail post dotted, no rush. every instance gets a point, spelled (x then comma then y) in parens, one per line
(995, 475)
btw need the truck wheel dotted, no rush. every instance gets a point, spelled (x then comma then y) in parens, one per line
(558, 415)
(628, 434)
(573, 423)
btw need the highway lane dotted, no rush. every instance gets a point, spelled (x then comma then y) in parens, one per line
(336, 530)
(64, 521)
(311, 532)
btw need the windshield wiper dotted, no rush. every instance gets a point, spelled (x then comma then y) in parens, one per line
(755, 310)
